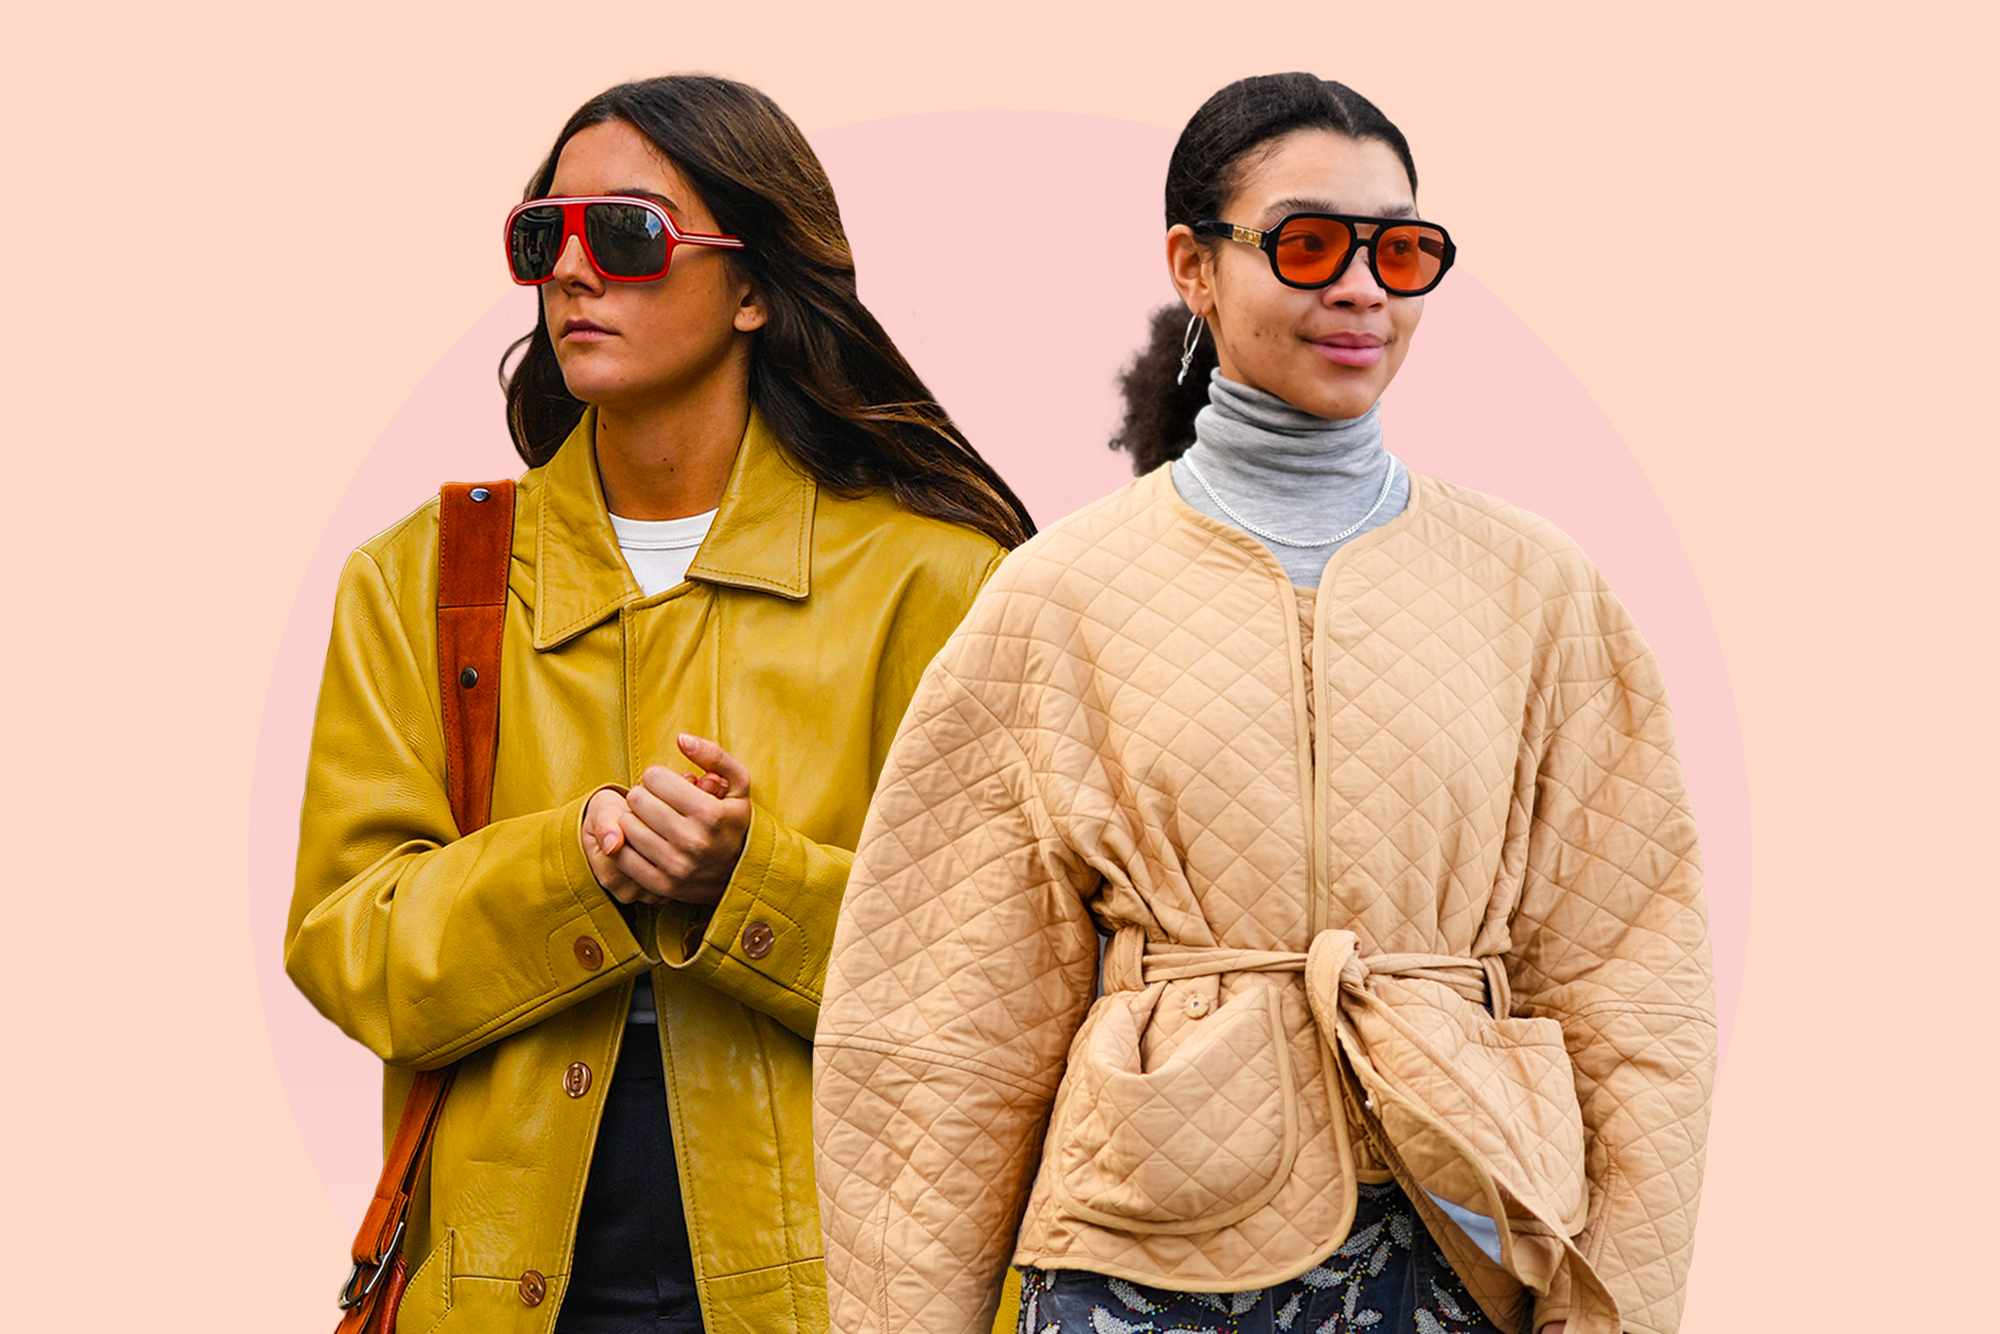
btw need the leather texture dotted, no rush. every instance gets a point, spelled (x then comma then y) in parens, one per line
(796, 642)
(1314, 884)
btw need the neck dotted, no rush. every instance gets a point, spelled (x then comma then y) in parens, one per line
(671, 458)
(1301, 484)
(1254, 443)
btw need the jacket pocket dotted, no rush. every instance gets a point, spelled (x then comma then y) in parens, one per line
(1532, 1085)
(1202, 1140)
(1481, 1097)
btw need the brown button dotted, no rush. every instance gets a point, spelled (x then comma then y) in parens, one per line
(576, 1079)
(589, 953)
(533, 1288)
(1197, 1007)
(757, 938)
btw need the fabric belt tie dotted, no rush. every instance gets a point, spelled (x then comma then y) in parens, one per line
(1131, 963)
(1336, 976)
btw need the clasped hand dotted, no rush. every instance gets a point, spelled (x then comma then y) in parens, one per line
(675, 837)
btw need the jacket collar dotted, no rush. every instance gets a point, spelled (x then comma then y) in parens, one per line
(761, 539)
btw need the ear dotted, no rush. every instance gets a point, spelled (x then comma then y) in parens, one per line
(751, 312)
(1192, 266)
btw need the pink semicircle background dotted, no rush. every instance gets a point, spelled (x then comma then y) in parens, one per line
(1014, 256)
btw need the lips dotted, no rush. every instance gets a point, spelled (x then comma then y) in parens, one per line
(578, 329)
(1350, 349)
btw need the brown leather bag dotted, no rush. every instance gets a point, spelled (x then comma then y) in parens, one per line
(475, 539)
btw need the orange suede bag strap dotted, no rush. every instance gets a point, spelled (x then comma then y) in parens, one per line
(475, 543)
(475, 540)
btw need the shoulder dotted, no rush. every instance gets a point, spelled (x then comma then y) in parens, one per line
(896, 539)
(1092, 544)
(393, 575)
(1477, 528)
(1138, 552)
(1533, 573)
(405, 546)
(897, 529)
(405, 554)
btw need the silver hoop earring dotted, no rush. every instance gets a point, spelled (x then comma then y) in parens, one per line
(1189, 341)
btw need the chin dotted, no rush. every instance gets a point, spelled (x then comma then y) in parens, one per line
(1340, 404)
(589, 384)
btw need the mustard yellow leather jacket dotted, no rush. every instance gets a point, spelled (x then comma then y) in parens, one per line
(796, 642)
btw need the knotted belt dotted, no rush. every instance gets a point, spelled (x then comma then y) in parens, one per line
(1336, 976)
(1482, 981)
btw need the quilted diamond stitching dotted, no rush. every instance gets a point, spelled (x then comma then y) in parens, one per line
(1151, 768)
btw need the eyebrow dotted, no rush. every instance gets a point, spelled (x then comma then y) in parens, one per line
(1285, 207)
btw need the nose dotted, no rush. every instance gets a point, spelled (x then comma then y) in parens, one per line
(573, 268)
(1356, 285)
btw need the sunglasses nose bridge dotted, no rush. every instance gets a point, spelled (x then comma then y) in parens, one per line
(1356, 269)
(574, 260)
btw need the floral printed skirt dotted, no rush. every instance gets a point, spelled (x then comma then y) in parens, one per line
(1387, 1278)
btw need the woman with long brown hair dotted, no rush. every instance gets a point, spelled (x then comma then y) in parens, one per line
(745, 528)
(1366, 782)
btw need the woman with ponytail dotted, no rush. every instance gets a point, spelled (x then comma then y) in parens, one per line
(744, 529)
(1281, 909)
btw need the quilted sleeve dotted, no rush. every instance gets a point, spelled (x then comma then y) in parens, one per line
(1610, 939)
(962, 965)
(422, 945)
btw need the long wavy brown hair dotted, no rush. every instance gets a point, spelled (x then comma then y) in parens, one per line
(823, 372)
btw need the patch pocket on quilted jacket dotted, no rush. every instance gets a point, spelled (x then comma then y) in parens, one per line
(1202, 1140)
(1529, 1078)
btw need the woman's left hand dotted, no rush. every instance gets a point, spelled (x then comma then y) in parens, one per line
(682, 834)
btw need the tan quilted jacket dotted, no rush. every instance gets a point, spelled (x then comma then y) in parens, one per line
(1306, 931)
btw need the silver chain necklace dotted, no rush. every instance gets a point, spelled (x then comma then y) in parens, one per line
(1388, 481)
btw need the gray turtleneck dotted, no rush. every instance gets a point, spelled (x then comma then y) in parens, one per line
(1289, 473)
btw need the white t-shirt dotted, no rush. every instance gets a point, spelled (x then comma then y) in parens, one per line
(658, 552)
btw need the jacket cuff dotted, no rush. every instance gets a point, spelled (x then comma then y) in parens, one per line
(614, 941)
(765, 941)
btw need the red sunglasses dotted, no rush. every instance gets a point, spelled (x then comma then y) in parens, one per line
(625, 238)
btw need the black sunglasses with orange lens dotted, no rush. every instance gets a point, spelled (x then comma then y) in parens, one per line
(1312, 250)
(625, 238)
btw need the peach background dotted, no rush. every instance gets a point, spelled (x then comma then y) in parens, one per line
(1810, 433)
